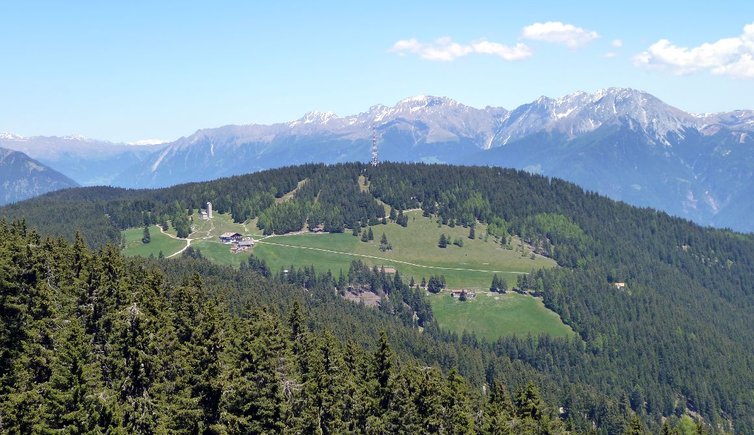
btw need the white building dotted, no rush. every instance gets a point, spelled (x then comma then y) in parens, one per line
(209, 210)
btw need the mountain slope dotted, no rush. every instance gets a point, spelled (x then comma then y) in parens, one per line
(683, 166)
(422, 128)
(22, 177)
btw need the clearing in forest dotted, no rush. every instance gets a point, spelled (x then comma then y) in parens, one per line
(414, 252)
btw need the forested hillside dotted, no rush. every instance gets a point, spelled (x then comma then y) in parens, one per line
(663, 308)
(94, 343)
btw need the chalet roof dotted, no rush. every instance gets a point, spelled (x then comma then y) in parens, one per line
(229, 235)
(246, 243)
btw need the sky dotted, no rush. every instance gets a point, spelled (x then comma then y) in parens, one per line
(130, 71)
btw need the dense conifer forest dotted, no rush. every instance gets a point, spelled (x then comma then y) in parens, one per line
(673, 340)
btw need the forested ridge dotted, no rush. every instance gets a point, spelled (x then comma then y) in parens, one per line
(675, 339)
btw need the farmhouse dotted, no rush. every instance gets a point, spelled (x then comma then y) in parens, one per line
(388, 269)
(229, 237)
(244, 245)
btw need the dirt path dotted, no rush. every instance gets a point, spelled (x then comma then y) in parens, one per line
(388, 260)
(188, 239)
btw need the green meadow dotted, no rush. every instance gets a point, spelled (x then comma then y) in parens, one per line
(491, 315)
(159, 242)
(415, 253)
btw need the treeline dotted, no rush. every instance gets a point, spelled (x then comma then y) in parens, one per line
(92, 342)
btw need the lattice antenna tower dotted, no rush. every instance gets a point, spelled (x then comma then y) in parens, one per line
(375, 157)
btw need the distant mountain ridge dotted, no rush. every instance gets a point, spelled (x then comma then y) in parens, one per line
(620, 142)
(88, 161)
(22, 177)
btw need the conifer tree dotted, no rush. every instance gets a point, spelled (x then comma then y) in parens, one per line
(498, 411)
(528, 403)
(383, 364)
(77, 401)
(146, 237)
(635, 427)
(253, 400)
(458, 416)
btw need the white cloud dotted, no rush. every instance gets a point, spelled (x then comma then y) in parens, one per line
(727, 56)
(617, 43)
(559, 33)
(610, 54)
(444, 49)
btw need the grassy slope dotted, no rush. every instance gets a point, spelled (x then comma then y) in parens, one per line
(492, 316)
(416, 244)
(488, 317)
(160, 242)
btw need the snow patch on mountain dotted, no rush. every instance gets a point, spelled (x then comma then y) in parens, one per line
(10, 136)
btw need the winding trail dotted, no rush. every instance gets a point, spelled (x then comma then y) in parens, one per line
(390, 260)
(188, 239)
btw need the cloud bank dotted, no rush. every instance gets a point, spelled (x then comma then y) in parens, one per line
(727, 56)
(557, 32)
(445, 49)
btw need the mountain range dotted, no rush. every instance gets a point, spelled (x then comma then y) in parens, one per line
(623, 143)
(22, 177)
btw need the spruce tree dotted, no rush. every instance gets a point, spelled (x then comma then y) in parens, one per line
(443, 243)
(498, 411)
(146, 237)
(458, 415)
(383, 364)
(253, 400)
(77, 400)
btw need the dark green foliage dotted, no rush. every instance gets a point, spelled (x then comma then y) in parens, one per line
(443, 243)
(114, 345)
(146, 238)
(402, 219)
(384, 244)
(498, 285)
(257, 265)
(435, 283)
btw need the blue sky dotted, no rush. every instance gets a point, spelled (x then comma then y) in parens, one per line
(127, 71)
